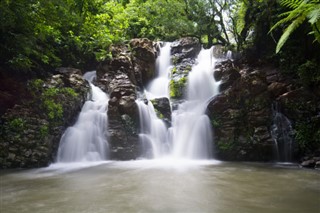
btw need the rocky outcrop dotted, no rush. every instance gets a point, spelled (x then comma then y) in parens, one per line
(243, 119)
(131, 67)
(31, 131)
(163, 109)
(144, 58)
(183, 55)
(123, 119)
(241, 115)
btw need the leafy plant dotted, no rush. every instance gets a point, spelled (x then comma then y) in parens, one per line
(301, 10)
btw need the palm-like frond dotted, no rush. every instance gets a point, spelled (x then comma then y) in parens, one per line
(291, 3)
(314, 15)
(301, 10)
(287, 32)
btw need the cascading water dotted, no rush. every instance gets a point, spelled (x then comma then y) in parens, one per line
(159, 86)
(153, 131)
(190, 136)
(86, 140)
(191, 128)
(282, 134)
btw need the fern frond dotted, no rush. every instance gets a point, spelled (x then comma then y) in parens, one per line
(291, 3)
(288, 31)
(301, 10)
(316, 31)
(241, 17)
(314, 15)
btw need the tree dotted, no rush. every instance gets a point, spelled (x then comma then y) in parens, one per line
(208, 18)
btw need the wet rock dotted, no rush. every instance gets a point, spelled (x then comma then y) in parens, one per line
(276, 89)
(163, 109)
(299, 104)
(123, 119)
(144, 58)
(308, 163)
(183, 48)
(183, 56)
(241, 115)
(317, 166)
(32, 130)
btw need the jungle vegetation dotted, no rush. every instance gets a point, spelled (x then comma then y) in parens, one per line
(39, 35)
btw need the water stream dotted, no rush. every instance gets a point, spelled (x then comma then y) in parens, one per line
(282, 134)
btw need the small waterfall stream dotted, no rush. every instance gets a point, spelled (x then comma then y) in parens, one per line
(282, 134)
(86, 139)
(190, 136)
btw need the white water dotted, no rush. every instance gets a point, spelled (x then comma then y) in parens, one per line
(159, 87)
(153, 131)
(190, 136)
(191, 128)
(86, 140)
(282, 134)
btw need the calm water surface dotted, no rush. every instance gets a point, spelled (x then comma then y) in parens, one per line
(161, 186)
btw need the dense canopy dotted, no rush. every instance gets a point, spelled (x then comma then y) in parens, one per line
(39, 35)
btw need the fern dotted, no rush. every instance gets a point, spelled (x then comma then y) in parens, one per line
(291, 3)
(301, 10)
(241, 22)
(314, 15)
(285, 36)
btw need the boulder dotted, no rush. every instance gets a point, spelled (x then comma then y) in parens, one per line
(277, 88)
(144, 58)
(183, 48)
(163, 109)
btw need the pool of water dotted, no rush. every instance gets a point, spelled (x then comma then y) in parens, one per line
(161, 186)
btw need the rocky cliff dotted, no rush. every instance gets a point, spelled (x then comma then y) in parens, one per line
(31, 131)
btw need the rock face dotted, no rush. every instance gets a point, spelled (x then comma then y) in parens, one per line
(241, 115)
(163, 109)
(243, 120)
(121, 76)
(31, 131)
(183, 55)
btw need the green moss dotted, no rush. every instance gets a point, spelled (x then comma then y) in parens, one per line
(187, 69)
(309, 73)
(225, 145)
(174, 60)
(174, 70)
(49, 100)
(215, 122)
(177, 87)
(307, 135)
(44, 131)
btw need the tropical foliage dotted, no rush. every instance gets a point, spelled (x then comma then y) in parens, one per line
(38, 35)
(301, 10)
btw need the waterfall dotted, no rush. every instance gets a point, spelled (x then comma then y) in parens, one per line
(282, 134)
(190, 136)
(153, 131)
(191, 128)
(86, 139)
(159, 87)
